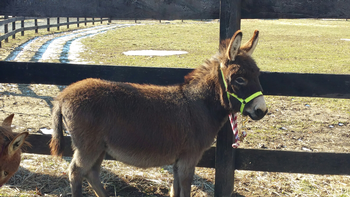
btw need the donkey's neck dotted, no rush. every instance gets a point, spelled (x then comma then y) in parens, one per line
(205, 94)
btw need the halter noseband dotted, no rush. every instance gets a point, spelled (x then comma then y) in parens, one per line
(243, 101)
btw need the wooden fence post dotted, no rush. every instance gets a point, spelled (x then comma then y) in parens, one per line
(85, 20)
(58, 23)
(13, 28)
(36, 25)
(6, 30)
(224, 171)
(67, 22)
(230, 22)
(77, 21)
(93, 20)
(48, 24)
(22, 26)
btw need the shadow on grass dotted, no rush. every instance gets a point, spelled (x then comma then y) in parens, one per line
(40, 184)
(26, 91)
(201, 183)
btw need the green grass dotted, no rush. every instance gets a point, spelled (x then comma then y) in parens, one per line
(308, 46)
(159, 36)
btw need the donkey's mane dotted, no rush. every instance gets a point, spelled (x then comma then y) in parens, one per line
(209, 65)
(206, 68)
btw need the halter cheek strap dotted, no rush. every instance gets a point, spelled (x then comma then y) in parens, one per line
(243, 101)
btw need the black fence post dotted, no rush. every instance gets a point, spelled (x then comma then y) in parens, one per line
(14, 28)
(6, 28)
(230, 21)
(77, 21)
(58, 23)
(67, 22)
(85, 21)
(22, 26)
(36, 25)
(48, 24)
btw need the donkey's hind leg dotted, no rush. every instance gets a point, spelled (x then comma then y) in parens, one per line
(80, 167)
(75, 176)
(93, 177)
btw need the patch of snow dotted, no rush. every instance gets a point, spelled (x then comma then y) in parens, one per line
(154, 53)
(46, 131)
(345, 39)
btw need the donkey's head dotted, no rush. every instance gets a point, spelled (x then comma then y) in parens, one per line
(10, 150)
(240, 76)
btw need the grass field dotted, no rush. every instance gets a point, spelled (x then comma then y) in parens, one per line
(309, 124)
(311, 46)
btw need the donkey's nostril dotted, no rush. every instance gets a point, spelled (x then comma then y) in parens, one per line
(260, 113)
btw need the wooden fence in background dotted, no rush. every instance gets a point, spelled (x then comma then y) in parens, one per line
(58, 23)
(222, 157)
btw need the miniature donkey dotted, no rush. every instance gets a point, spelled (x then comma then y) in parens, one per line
(149, 125)
(10, 150)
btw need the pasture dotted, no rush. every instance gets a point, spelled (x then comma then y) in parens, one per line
(293, 123)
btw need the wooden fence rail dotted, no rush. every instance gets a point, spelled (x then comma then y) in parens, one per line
(246, 159)
(35, 27)
(290, 84)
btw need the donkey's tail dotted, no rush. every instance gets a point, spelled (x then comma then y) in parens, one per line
(57, 140)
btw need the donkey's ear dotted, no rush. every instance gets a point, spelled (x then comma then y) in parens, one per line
(8, 121)
(234, 45)
(17, 143)
(249, 46)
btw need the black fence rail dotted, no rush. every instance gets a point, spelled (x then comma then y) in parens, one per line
(222, 157)
(48, 23)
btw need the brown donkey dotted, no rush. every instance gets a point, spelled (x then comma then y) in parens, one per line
(10, 150)
(149, 125)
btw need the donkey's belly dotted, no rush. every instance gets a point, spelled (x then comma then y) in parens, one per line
(140, 158)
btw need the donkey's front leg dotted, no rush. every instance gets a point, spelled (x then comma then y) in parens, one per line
(175, 190)
(183, 176)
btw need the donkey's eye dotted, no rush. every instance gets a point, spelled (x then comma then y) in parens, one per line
(240, 81)
(6, 173)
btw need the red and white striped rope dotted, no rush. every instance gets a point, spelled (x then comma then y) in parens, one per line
(233, 121)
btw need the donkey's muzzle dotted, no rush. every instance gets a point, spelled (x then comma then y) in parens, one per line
(256, 109)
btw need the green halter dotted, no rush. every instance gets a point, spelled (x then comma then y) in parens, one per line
(243, 101)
